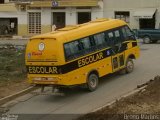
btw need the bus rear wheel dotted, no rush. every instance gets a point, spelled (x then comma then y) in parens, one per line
(92, 82)
(129, 65)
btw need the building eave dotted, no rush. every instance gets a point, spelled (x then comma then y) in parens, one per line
(8, 8)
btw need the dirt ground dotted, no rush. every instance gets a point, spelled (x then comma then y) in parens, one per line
(12, 87)
(12, 70)
(144, 105)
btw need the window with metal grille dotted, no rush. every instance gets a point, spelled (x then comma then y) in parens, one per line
(34, 26)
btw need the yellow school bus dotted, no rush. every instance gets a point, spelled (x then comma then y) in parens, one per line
(81, 54)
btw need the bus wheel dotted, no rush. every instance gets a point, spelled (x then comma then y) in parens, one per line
(129, 65)
(92, 82)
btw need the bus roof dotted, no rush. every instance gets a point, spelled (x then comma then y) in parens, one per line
(74, 32)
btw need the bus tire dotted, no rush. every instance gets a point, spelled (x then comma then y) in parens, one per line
(129, 65)
(92, 82)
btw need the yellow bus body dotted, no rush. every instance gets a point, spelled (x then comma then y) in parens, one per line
(45, 57)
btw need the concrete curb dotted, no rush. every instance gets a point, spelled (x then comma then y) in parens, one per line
(13, 96)
(123, 96)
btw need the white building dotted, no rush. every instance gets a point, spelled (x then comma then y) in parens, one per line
(138, 13)
(34, 17)
(29, 17)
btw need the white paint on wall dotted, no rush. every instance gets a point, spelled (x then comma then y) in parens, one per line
(6, 1)
(134, 22)
(109, 14)
(157, 26)
(97, 12)
(46, 16)
(114, 4)
(71, 16)
(110, 6)
(21, 16)
(105, 9)
(8, 14)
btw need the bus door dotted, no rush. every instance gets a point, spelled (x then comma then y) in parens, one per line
(118, 61)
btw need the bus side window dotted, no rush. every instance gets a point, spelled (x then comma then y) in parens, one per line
(107, 41)
(83, 45)
(71, 50)
(100, 40)
(74, 49)
(86, 44)
(67, 51)
(92, 41)
(80, 46)
(124, 33)
(117, 39)
(111, 38)
(127, 33)
(114, 41)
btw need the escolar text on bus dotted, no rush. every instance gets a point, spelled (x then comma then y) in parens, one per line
(42, 70)
(90, 59)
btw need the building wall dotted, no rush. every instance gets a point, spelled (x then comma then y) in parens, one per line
(22, 20)
(47, 16)
(71, 16)
(22, 30)
(158, 17)
(6, 1)
(46, 20)
(106, 8)
(130, 4)
(71, 13)
(8, 15)
(110, 6)
(97, 12)
(22, 24)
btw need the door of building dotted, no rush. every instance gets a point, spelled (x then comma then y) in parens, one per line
(1, 1)
(59, 19)
(148, 23)
(84, 17)
(8, 26)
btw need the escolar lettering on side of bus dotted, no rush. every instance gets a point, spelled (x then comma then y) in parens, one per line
(90, 59)
(42, 70)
